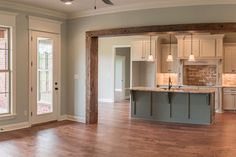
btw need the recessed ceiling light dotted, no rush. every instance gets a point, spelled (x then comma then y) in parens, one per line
(67, 2)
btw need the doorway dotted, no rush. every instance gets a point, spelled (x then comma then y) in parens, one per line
(121, 73)
(44, 76)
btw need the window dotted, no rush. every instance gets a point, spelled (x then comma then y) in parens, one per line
(5, 72)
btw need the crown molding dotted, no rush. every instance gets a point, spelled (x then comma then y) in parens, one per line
(32, 9)
(143, 6)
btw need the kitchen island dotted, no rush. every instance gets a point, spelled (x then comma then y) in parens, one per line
(192, 106)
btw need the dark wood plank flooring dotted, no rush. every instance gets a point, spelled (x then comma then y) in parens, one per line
(116, 135)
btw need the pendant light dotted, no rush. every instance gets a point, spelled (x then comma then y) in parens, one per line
(170, 57)
(191, 56)
(150, 56)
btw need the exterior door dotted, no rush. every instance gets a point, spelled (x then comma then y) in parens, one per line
(44, 77)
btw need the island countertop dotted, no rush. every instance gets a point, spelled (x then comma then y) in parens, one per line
(178, 90)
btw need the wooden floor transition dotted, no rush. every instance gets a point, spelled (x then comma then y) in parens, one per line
(116, 135)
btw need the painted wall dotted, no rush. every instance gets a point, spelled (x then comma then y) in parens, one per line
(163, 16)
(22, 69)
(106, 68)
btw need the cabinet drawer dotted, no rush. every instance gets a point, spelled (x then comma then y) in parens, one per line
(230, 90)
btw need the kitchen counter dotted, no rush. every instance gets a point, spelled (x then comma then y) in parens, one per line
(178, 90)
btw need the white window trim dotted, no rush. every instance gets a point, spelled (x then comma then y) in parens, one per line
(8, 20)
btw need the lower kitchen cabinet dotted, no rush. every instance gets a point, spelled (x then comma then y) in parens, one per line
(229, 99)
(229, 102)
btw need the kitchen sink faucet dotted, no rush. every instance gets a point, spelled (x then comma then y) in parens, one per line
(169, 83)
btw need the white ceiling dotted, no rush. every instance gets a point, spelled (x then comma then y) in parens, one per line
(83, 7)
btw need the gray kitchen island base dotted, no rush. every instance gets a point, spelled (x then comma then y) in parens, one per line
(177, 107)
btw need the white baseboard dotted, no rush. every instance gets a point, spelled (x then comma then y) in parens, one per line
(23, 125)
(12, 127)
(62, 117)
(76, 119)
(106, 100)
(72, 118)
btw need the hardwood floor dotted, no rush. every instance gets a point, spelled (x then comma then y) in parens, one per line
(116, 135)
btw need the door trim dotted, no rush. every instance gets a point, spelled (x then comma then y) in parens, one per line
(31, 72)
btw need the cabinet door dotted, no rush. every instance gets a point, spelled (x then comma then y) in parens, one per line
(228, 101)
(233, 61)
(207, 48)
(146, 48)
(187, 47)
(137, 50)
(229, 59)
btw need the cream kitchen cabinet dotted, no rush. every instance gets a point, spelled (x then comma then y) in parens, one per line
(230, 58)
(140, 50)
(169, 67)
(207, 47)
(204, 46)
(229, 99)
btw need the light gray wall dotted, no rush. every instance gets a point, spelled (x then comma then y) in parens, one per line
(78, 27)
(22, 68)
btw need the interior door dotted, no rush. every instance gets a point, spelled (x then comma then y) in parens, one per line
(119, 78)
(44, 77)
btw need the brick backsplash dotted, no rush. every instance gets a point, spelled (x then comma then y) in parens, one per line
(229, 79)
(200, 75)
(163, 78)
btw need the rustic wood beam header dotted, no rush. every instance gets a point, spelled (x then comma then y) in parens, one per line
(202, 27)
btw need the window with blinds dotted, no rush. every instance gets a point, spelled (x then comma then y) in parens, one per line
(5, 72)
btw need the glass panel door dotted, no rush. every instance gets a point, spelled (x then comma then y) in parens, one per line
(44, 76)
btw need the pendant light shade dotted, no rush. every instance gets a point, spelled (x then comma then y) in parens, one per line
(191, 56)
(170, 57)
(150, 56)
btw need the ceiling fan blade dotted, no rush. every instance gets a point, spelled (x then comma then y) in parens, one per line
(108, 2)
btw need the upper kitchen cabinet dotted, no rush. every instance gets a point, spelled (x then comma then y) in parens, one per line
(203, 46)
(184, 46)
(140, 49)
(230, 58)
(169, 67)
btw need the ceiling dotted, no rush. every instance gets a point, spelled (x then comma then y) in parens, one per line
(121, 5)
